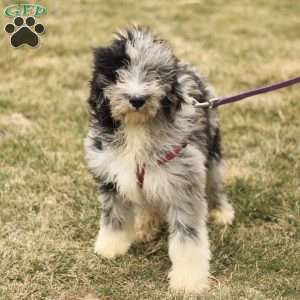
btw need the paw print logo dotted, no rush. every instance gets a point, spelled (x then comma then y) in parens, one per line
(24, 31)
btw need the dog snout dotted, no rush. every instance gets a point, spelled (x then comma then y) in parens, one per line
(137, 102)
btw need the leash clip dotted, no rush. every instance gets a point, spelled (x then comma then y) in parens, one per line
(208, 104)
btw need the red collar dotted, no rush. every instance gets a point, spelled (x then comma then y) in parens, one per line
(140, 170)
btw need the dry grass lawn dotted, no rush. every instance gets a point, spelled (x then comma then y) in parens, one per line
(48, 208)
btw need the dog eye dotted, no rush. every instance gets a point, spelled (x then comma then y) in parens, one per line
(152, 74)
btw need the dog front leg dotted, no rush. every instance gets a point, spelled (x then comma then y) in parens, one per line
(116, 225)
(188, 249)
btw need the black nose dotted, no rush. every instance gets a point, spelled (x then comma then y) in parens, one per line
(137, 102)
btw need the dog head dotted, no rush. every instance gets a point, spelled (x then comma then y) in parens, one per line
(133, 78)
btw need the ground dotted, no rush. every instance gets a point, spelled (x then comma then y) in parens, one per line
(48, 208)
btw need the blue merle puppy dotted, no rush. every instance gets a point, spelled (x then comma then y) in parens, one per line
(154, 155)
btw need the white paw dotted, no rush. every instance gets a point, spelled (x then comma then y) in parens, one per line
(188, 281)
(112, 243)
(223, 215)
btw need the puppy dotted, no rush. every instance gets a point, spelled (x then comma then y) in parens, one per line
(155, 155)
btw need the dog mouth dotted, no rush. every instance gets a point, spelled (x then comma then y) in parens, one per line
(134, 110)
(136, 116)
(138, 110)
(141, 114)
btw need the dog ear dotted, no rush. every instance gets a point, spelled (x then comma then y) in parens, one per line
(107, 60)
(172, 101)
(100, 110)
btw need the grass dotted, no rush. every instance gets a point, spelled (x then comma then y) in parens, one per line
(48, 208)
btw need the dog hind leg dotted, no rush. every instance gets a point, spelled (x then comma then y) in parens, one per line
(220, 210)
(147, 223)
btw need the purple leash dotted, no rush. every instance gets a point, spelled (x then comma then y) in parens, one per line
(215, 102)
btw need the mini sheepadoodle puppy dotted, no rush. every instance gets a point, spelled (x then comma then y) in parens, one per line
(154, 155)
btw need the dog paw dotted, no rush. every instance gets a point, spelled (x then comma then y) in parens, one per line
(222, 215)
(24, 31)
(188, 283)
(110, 243)
(145, 236)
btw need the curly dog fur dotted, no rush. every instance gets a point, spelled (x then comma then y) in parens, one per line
(141, 110)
